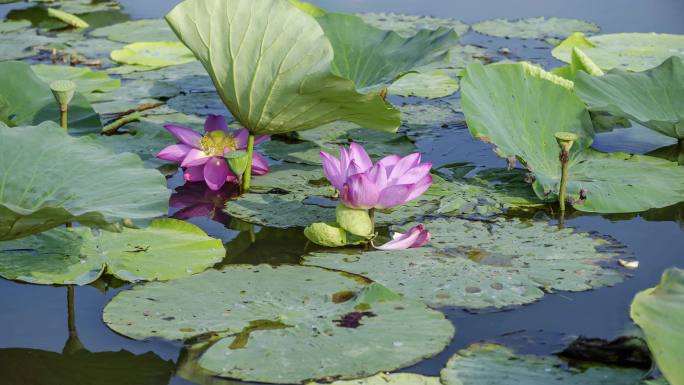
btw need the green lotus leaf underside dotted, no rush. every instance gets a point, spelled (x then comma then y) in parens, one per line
(374, 58)
(274, 71)
(25, 99)
(276, 324)
(491, 364)
(505, 105)
(627, 51)
(659, 311)
(478, 265)
(92, 84)
(409, 25)
(155, 54)
(654, 98)
(534, 28)
(136, 31)
(389, 379)
(167, 249)
(50, 178)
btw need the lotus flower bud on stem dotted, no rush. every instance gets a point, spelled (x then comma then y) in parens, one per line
(565, 141)
(63, 91)
(246, 180)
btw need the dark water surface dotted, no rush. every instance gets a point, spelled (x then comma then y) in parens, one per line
(33, 319)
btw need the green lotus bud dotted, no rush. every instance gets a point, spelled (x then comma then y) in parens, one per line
(63, 90)
(326, 234)
(566, 140)
(237, 160)
(355, 221)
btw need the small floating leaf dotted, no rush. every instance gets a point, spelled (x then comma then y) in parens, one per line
(534, 28)
(153, 54)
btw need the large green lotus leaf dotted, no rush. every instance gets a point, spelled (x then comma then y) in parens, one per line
(88, 82)
(520, 113)
(25, 99)
(374, 58)
(284, 324)
(389, 379)
(534, 27)
(137, 30)
(50, 178)
(273, 66)
(478, 265)
(491, 364)
(627, 51)
(654, 98)
(409, 25)
(156, 54)
(167, 249)
(430, 85)
(659, 312)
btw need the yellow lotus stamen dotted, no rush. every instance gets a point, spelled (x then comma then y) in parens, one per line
(214, 143)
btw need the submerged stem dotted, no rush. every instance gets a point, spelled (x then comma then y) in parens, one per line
(247, 178)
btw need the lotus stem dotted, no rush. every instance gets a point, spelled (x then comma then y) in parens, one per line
(247, 178)
(565, 141)
(63, 117)
(371, 214)
(63, 91)
(113, 127)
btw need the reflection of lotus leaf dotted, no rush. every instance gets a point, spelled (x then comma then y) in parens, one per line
(659, 312)
(490, 364)
(167, 249)
(284, 324)
(484, 264)
(51, 178)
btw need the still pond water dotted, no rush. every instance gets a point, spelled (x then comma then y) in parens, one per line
(34, 318)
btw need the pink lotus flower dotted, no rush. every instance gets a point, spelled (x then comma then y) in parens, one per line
(418, 236)
(390, 182)
(202, 156)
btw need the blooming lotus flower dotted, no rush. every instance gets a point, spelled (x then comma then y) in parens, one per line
(418, 236)
(390, 182)
(201, 156)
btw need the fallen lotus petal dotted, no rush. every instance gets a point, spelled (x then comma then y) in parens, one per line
(418, 236)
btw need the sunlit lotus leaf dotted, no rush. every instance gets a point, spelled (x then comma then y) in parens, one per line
(33, 366)
(409, 25)
(153, 54)
(505, 105)
(534, 28)
(309, 8)
(579, 62)
(654, 98)
(389, 379)
(659, 311)
(627, 51)
(88, 82)
(478, 265)
(137, 30)
(374, 58)
(284, 324)
(51, 178)
(490, 364)
(26, 99)
(430, 85)
(167, 249)
(294, 85)
(13, 25)
(293, 178)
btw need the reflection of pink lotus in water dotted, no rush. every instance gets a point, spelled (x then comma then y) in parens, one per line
(197, 200)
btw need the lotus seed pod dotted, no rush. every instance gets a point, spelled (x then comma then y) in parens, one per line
(63, 90)
(566, 140)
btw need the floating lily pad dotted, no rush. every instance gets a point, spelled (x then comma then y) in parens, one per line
(374, 58)
(293, 178)
(167, 249)
(13, 25)
(200, 103)
(299, 61)
(490, 364)
(51, 178)
(189, 78)
(88, 82)
(659, 311)
(430, 85)
(654, 98)
(459, 57)
(22, 44)
(409, 25)
(479, 265)
(426, 119)
(524, 127)
(91, 49)
(84, 6)
(628, 51)
(390, 379)
(534, 28)
(136, 31)
(303, 152)
(25, 99)
(153, 54)
(134, 93)
(284, 325)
